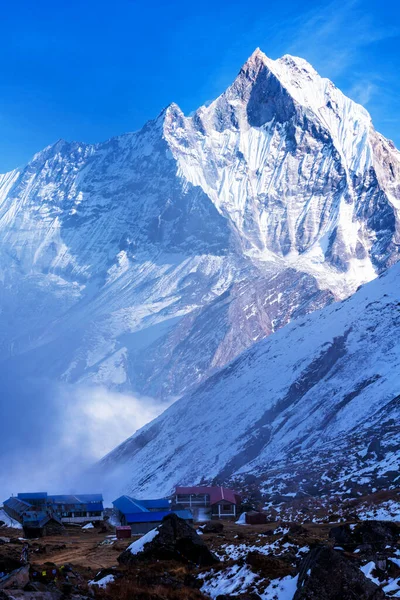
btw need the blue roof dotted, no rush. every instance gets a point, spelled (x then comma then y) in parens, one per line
(161, 503)
(33, 496)
(128, 505)
(19, 506)
(156, 516)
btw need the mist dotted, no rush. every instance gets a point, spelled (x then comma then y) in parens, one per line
(51, 433)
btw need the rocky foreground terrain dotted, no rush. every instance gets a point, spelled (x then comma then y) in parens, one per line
(320, 555)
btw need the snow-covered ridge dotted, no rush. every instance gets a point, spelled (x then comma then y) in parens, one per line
(317, 391)
(123, 258)
(348, 122)
(270, 153)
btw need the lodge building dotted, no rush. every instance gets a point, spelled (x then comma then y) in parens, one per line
(39, 513)
(144, 515)
(213, 502)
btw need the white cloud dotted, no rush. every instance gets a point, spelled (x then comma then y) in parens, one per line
(362, 92)
(99, 419)
(50, 434)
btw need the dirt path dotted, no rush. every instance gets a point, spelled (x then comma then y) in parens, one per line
(85, 549)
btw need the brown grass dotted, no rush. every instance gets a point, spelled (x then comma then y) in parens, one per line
(128, 589)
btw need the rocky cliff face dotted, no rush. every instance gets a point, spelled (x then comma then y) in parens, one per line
(312, 408)
(151, 260)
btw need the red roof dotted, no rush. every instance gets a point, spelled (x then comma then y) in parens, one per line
(216, 493)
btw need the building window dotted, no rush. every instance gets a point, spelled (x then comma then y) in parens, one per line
(193, 499)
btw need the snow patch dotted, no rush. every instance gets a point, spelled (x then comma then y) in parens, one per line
(139, 545)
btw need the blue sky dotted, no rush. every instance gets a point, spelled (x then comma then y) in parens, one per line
(88, 70)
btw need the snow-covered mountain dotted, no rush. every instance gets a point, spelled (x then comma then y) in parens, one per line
(150, 261)
(314, 406)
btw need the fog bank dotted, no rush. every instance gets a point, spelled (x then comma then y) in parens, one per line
(50, 433)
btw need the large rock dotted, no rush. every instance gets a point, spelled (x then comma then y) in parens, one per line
(16, 579)
(376, 534)
(342, 535)
(328, 575)
(212, 527)
(174, 539)
(268, 567)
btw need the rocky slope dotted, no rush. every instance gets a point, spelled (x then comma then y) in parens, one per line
(149, 261)
(313, 409)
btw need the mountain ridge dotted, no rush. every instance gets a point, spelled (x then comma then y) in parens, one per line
(301, 406)
(191, 232)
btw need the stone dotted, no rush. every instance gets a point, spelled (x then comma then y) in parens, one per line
(268, 567)
(18, 578)
(328, 575)
(343, 535)
(212, 527)
(377, 533)
(374, 534)
(176, 540)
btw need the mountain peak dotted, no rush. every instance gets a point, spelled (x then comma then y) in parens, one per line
(256, 61)
(281, 65)
(257, 55)
(295, 61)
(169, 113)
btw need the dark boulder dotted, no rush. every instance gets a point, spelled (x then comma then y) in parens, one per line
(328, 575)
(377, 533)
(297, 529)
(342, 535)
(175, 540)
(212, 527)
(256, 518)
(375, 448)
(333, 518)
(373, 534)
(268, 567)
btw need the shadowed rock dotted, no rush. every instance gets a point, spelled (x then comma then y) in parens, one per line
(328, 575)
(268, 567)
(16, 579)
(175, 540)
(376, 534)
(213, 527)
